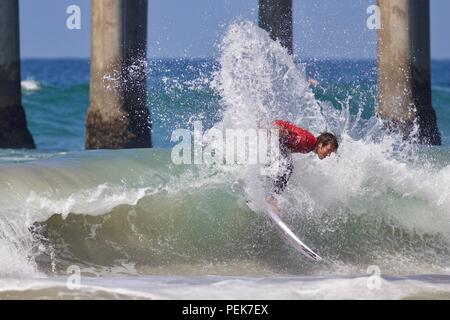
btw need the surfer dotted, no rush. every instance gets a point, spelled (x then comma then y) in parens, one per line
(294, 139)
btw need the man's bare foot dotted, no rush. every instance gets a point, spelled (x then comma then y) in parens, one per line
(274, 204)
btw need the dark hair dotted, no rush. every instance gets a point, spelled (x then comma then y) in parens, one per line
(327, 138)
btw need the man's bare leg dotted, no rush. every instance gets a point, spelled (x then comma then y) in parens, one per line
(274, 204)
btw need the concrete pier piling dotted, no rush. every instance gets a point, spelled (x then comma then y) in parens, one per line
(275, 16)
(118, 116)
(404, 79)
(14, 132)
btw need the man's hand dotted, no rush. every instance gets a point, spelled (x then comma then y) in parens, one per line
(282, 132)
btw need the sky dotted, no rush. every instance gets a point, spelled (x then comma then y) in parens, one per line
(193, 28)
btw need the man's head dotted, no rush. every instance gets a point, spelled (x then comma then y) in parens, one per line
(326, 144)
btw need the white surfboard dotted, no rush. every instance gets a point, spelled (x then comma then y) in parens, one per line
(291, 237)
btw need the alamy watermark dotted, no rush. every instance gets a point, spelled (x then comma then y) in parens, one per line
(73, 281)
(374, 20)
(227, 147)
(374, 280)
(73, 22)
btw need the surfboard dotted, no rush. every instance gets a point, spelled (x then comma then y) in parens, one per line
(291, 237)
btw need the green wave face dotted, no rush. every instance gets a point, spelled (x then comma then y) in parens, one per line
(135, 212)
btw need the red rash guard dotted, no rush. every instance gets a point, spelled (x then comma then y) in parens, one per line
(299, 140)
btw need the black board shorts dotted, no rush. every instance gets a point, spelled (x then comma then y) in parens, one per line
(282, 178)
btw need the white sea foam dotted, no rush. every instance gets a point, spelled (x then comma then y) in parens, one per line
(16, 242)
(213, 287)
(30, 85)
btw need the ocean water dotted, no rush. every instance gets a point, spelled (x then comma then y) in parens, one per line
(135, 225)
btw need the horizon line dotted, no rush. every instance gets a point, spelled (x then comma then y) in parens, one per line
(216, 57)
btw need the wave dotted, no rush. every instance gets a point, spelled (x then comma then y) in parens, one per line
(103, 210)
(30, 85)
